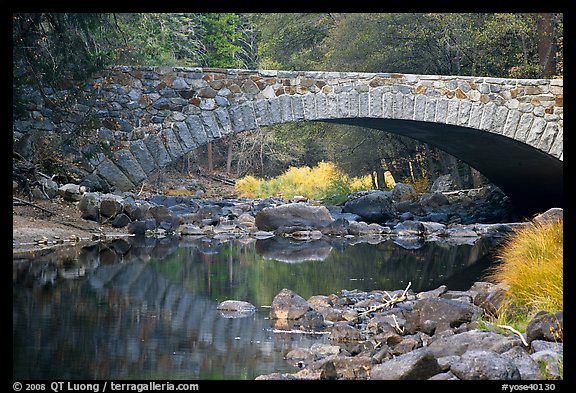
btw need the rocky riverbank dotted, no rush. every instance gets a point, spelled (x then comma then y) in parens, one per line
(439, 334)
(398, 212)
(70, 213)
(400, 334)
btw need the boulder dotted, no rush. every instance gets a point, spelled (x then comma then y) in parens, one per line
(485, 365)
(338, 227)
(488, 296)
(89, 206)
(139, 211)
(140, 227)
(415, 365)
(551, 363)
(110, 206)
(458, 344)
(120, 221)
(70, 192)
(342, 332)
(445, 313)
(546, 326)
(527, 366)
(341, 367)
(409, 228)
(549, 216)
(434, 199)
(373, 206)
(292, 215)
(403, 192)
(541, 345)
(235, 308)
(363, 229)
(443, 183)
(288, 305)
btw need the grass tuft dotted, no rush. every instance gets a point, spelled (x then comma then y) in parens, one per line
(530, 265)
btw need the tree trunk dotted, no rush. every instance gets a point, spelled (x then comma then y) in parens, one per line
(229, 157)
(373, 178)
(380, 177)
(210, 161)
(546, 45)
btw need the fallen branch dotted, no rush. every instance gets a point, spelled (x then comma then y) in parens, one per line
(459, 191)
(392, 300)
(515, 332)
(298, 331)
(33, 205)
(396, 326)
(220, 178)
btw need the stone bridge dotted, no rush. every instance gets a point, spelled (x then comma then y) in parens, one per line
(511, 130)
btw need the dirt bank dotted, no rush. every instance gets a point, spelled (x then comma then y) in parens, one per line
(34, 229)
(59, 225)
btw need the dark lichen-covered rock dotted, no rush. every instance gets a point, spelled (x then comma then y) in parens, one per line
(546, 326)
(485, 365)
(417, 365)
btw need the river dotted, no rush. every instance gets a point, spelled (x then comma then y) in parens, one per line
(145, 308)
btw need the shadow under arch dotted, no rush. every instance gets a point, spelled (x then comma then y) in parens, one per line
(532, 179)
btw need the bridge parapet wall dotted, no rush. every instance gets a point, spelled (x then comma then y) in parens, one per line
(151, 116)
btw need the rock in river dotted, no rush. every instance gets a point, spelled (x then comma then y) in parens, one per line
(235, 308)
(292, 215)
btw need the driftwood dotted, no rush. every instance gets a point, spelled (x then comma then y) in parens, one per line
(27, 175)
(516, 332)
(33, 205)
(458, 191)
(392, 300)
(298, 331)
(220, 178)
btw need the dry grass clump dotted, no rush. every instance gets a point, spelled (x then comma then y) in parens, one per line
(531, 267)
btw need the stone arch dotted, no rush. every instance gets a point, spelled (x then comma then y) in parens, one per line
(511, 130)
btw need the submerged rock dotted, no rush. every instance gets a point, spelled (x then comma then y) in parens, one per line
(235, 305)
(235, 309)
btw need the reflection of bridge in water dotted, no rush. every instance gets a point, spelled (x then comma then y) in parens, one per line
(128, 320)
(185, 329)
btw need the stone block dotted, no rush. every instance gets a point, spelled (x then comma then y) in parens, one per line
(309, 105)
(129, 165)
(196, 128)
(142, 155)
(113, 175)
(157, 150)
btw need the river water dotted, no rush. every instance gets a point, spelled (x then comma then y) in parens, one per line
(146, 308)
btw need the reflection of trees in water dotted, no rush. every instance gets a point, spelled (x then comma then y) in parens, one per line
(249, 271)
(148, 307)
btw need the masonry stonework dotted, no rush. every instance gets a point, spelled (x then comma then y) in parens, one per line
(154, 115)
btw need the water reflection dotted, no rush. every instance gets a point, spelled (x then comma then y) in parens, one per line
(146, 308)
